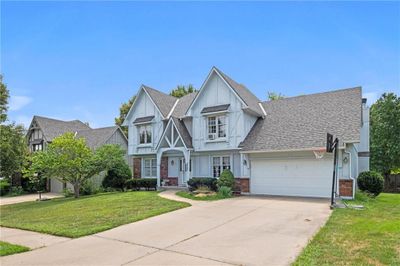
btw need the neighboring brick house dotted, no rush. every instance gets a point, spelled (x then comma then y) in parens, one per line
(270, 146)
(43, 130)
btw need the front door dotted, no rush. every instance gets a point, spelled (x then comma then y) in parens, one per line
(181, 171)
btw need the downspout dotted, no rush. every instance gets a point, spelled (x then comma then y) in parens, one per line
(350, 170)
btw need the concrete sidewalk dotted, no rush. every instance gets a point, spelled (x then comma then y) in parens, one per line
(29, 197)
(238, 231)
(29, 239)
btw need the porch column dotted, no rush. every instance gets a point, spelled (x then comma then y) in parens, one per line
(159, 153)
(186, 154)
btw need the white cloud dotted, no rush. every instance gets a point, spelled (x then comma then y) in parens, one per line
(18, 102)
(23, 120)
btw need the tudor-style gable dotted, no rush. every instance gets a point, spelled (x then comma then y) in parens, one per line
(145, 119)
(221, 118)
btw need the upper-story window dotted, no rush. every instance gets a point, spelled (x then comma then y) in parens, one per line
(145, 134)
(216, 127)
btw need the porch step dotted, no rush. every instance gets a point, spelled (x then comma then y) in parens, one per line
(174, 187)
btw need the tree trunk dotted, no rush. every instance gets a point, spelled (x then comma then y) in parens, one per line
(76, 190)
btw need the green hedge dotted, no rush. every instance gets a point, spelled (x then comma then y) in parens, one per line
(139, 183)
(196, 182)
(371, 182)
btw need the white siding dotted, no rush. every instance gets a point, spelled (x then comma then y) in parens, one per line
(216, 92)
(201, 163)
(144, 107)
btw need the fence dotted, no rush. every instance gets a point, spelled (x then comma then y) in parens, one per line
(392, 183)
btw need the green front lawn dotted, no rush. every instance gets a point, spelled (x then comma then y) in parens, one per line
(87, 215)
(189, 195)
(8, 249)
(358, 237)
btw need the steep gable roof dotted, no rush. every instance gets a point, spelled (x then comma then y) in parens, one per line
(183, 104)
(98, 136)
(244, 93)
(52, 128)
(164, 102)
(302, 122)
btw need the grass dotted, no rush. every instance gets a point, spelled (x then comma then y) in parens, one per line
(86, 215)
(189, 195)
(8, 249)
(358, 237)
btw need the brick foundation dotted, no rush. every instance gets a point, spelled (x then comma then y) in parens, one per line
(137, 167)
(164, 167)
(242, 184)
(170, 181)
(346, 187)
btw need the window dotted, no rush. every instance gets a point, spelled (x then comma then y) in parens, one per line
(37, 147)
(216, 127)
(219, 164)
(150, 167)
(145, 134)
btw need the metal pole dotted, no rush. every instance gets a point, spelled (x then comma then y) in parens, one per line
(334, 173)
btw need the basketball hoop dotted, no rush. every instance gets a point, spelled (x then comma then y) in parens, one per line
(319, 153)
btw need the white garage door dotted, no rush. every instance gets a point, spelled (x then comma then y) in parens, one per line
(307, 177)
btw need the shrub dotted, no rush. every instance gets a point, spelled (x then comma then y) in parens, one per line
(196, 182)
(226, 179)
(138, 183)
(371, 182)
(88, 188)
(67, 192)
(16, 191)
(117, 176)
(225, 192)
(30, 185)
(4, 187)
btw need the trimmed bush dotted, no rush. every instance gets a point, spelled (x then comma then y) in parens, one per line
(371, 182)
(4, 187)
(226, 179)
(117, 176)
(195, 182)
(224, 192)
(138, 183)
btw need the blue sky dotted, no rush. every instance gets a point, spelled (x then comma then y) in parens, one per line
(81, 60)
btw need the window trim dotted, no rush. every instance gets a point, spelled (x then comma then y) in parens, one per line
(221, 164)
(145, 125)
(152, 167)
(217, 126)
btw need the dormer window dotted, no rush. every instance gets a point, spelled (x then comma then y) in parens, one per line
(145, 134)
(216, 127)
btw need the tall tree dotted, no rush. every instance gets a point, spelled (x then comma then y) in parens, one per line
(182, 90)
(4, 95)
(385, 133)
(272, 96)
(70, 160)
(123, 112)
(13, 150)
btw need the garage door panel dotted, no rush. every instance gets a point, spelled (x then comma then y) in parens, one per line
(296, 177)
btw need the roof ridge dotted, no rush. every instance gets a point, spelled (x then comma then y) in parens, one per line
(155, 90)
(312, 94)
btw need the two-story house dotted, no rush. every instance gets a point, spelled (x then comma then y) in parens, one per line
(43, 130)
(272, 147)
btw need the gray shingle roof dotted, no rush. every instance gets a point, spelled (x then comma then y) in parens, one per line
(98, 136)
(244, 93)
(52, 128)
(183, 104)
(216, 108)
(180, 126)
(302, 122)
(163, 101)
(143, 119)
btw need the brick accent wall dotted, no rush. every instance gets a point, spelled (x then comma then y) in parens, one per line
(164, 167)
(346, 187)
(170, 181)
(137, 167)
(242, 184)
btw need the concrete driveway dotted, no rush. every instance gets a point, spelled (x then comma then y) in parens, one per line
(29, 197)
(239, 231)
